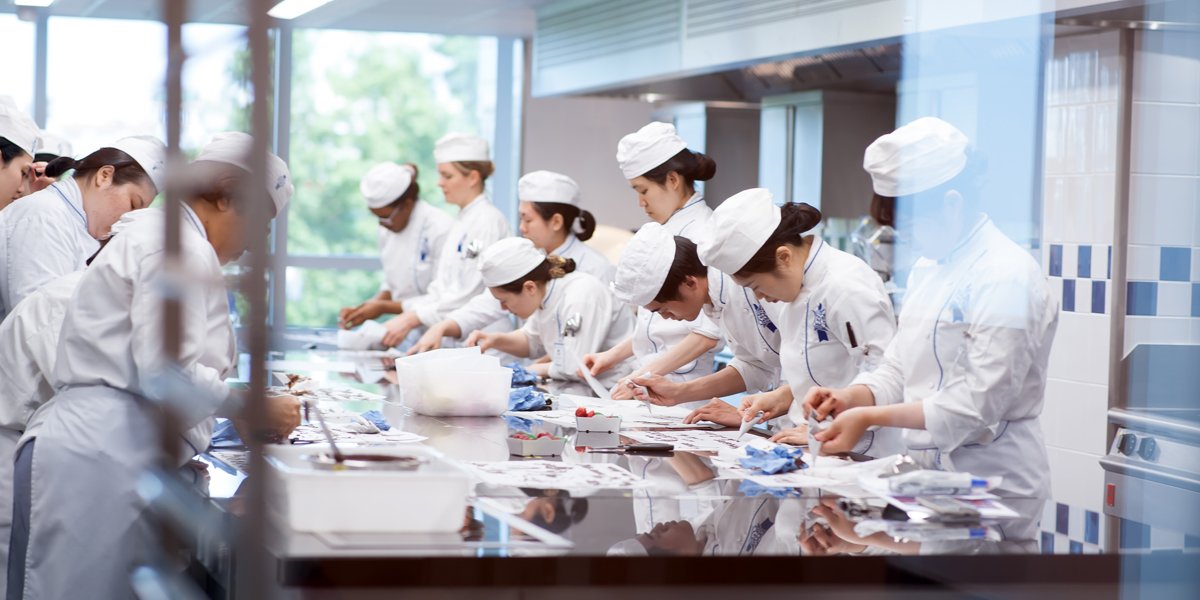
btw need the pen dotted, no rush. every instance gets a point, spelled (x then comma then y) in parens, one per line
(850, 332)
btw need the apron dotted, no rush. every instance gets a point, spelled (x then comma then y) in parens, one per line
(85, 518)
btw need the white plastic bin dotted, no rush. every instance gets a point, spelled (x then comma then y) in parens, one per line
(454, 382)
(432, 498)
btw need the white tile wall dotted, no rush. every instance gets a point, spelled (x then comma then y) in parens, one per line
(1163, 210)
(1196, 261)
(1070, 260)
(1080, 351)
(1174, 299)
(1074, 416)
(1153, 125)
(1160, 330)
(1076, 480)
(1143, 263)
(1164, 67)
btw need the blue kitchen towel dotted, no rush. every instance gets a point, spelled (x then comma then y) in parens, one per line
(751, 489)
(522, 376)
(779, 459)
(526, 398)
(518, 425)
(377, 419)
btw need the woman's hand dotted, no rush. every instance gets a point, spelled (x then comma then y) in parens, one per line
(655, 389)
(398, 328)
(844, 432)
(796, 436)
(355, 316)
(716, 411)
(772, 404)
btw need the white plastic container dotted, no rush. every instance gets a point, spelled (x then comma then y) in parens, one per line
(454, 382)
(598, 424)
(538, 447)
(432, 498)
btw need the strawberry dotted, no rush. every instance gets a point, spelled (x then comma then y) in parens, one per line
(544, 435)
(591, 413)
(581, 412)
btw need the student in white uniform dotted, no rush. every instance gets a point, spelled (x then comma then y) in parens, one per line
(965, 375)
(663, 172)
(548, 293)
(676, 286)
(412, 235)
(18, 145)
(833, 314)
(463, 165)
(79, 462)
(550, 210)
(52, 232)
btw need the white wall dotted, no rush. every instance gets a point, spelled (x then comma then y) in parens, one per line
(578, 137)
(1082, 94)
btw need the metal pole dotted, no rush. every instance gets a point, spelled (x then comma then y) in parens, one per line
(40, 53)
(253, 565)
(283, 143)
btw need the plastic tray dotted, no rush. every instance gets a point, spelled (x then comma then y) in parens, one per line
(598, 424)
(432, 498)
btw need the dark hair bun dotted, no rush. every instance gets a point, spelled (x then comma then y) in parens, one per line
(587, 226)
(703, 169)
(798, 218)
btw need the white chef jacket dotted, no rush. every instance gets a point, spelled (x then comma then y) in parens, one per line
(604, 323)
(973, 347)
(42, 236)
(410, 257)
(112, 334)
(840, 294)
(457, 278)
(484, 309)
(28, 347)
(654, 335)
(752, 336)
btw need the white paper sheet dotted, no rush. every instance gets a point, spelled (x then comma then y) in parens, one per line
(544, 474)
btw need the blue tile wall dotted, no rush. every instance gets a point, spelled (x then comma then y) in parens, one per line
(1068, 300)
(1091, 527)
(1062, 518)
(1134, 535)
(1098, 296)
(1047, 542)
(1093, 268)
(1196, 299)
(1175, 264)
(1085, 261)
(1076, 547)
(1142, 298)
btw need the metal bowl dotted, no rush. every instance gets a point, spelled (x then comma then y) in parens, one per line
(324, 461)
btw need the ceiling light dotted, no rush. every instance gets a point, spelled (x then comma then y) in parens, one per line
(37, 3)
(290, 9)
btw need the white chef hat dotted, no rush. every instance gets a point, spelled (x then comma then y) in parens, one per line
(461, 147)
(149, 153)
(644, 265)
(737, 229)
(48, 143)
(384, 183)
(548, 186)
(508, 260)
(640, 152)
(629, 547)
(17, 127)
(916, 157)
(234, 148)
